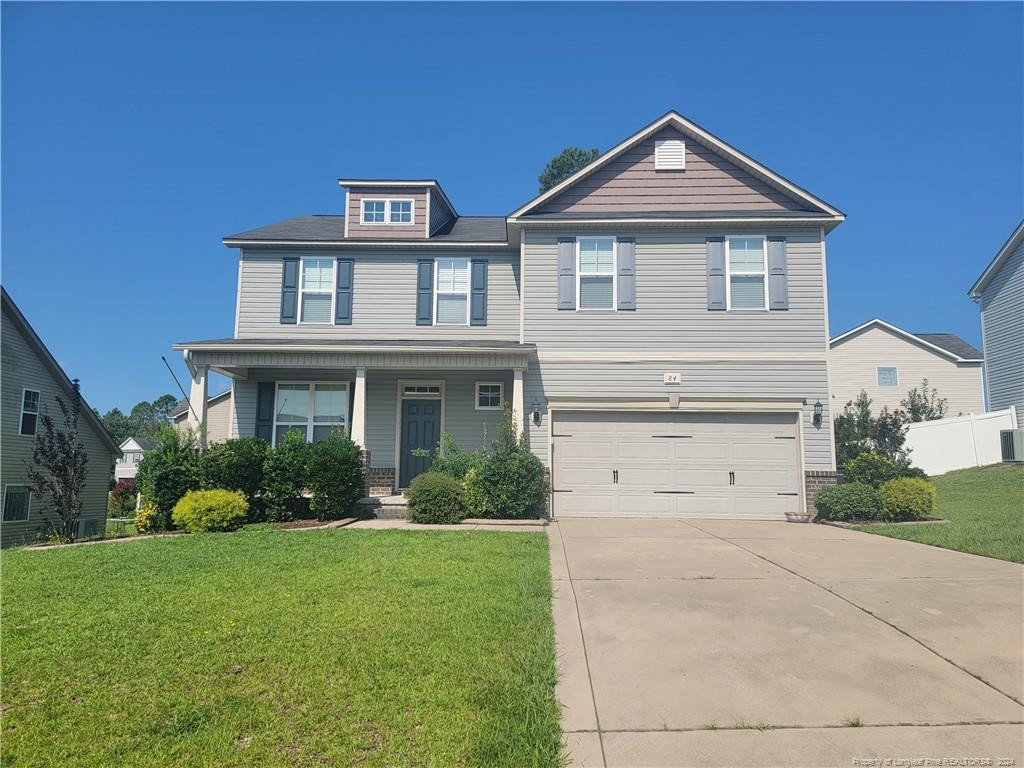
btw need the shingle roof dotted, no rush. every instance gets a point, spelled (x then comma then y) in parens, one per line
(484, 344)
(182, 406)
(761, 214)
(326, 228)
(951, 343)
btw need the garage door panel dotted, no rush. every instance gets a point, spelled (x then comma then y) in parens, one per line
(675, 464)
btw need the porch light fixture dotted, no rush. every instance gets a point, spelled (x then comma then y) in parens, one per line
(817, 414)
(535, 406)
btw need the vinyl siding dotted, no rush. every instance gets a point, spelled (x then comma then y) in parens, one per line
(218, 421)
(416, 230)
(855, 359)
(383, 301)
(1002, 326)
(467, 425)
(629, 183)
(439, 213)
(22, 367)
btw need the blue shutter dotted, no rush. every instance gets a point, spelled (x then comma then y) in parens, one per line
(716, 273)
(778, 287)
(425, 292)
(478, 292)
(626, 260)
(343, 297)
(290, 291)
(265, 410)
(566, 273)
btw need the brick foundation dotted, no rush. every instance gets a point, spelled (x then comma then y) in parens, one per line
(377, 481)
(814, 481)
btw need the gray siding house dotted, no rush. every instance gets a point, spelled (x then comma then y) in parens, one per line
(657, 322)
(30, 381)
(1000, 294)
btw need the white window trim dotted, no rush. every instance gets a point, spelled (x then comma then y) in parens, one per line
(729, 273)
(22, 412)
(469, 288)
(878, 370)
(614, 274)
(387, 212)
(333, 290)
(28, 512)
(501, 395)
(312, 405)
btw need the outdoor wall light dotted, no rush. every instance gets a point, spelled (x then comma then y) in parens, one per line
(817, 414)
(535, 406)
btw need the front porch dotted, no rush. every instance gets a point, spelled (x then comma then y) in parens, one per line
(394, 398)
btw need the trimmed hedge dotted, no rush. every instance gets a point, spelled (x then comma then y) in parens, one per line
(907, 498)
(285, 477)
(874, 469)
(237, 465)
(334, 470)
(435, 497)
(848, 502)
(216, 510)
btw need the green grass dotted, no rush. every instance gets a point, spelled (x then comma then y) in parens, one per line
(272, 648)
(985, 509)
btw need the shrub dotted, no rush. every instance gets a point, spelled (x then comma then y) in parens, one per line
(169, 471)
(214, 510)
(334, 470)
(238, 466)
(907, 498)
(284, 477)
(453, 461)
(122, 498)
(871, 468)
(146, 518)
(435, 497)
(509, 483)
(849, 501)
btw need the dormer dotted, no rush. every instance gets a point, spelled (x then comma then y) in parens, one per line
(395, 209)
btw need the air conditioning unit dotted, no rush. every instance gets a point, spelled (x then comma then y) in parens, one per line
(1012, 443)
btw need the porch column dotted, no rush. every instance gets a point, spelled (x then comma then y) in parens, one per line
(198, 395)
(517, 398)
(359, 409)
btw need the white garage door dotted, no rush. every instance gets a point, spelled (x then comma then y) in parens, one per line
(728, 465)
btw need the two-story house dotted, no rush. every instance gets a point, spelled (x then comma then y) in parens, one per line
(658, 322)
(132, 451)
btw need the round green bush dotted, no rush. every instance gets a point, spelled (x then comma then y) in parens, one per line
(907, 498)
(849, 501)
(435, 497)
(216, 510)
(871, 468)
(238, 466)
(334, 471)
(509, 485)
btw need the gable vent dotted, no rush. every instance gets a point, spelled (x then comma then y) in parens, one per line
(669, 155)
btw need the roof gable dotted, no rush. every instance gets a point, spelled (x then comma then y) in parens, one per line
(947, 345)
(717, 178)
(997, 263)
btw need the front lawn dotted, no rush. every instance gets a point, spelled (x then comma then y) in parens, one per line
(274, 648)
(985, 509)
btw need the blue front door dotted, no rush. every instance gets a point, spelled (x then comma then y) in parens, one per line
(421, 432)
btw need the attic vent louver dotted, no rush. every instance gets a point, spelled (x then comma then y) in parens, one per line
(669, 155)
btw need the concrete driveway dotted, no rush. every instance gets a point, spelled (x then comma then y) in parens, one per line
(685, 643)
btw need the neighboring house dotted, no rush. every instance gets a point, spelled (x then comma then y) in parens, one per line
(887, 362)
(30, 381)
(131, 454)
(657, 322)
(1000, 294)
(218, 416)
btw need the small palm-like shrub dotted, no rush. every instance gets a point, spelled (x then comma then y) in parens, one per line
(907, 498)
(435, 497)
(849, 501)
(216, 510)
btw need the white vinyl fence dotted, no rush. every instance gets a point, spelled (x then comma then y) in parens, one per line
(964, 441)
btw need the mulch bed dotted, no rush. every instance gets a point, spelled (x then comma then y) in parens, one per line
(302, 524)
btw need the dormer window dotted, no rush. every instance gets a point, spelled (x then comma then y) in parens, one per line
(388, 212)
(669, 155)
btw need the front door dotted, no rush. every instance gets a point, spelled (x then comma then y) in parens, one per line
(421, 432)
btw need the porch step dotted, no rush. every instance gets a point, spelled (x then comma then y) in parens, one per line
(383, 507)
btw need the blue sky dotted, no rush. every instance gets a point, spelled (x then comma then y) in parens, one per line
(136, 135)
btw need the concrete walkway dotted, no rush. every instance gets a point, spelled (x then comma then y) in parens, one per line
(721, 643)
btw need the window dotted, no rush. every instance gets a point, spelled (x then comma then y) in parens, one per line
(388, 212)
(29, 411)
(373, 211)
(400, 211)
(421, 389)
(17, 500)
(488, 395)
(745, 264)
(669, 155)
(312, 409)
(596, 287)
(452, 292)
(888, 377)
(317, 290)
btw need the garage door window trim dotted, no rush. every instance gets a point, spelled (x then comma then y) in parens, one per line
(745, 271)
